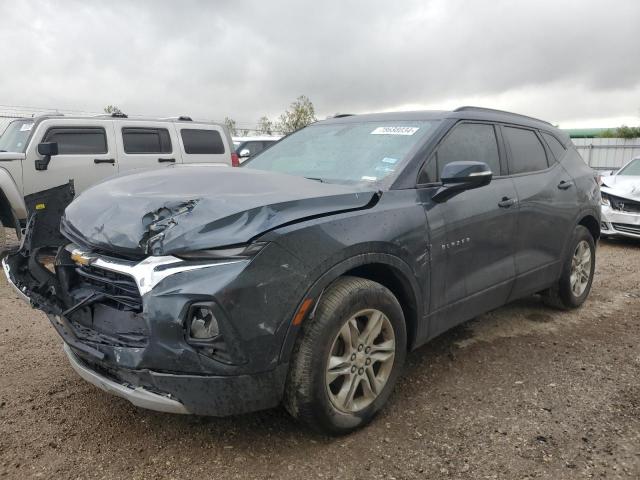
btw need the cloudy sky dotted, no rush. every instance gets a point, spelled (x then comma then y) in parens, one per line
(572, 62)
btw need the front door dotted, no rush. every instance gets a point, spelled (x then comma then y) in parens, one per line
(476, 268)
(87, 154)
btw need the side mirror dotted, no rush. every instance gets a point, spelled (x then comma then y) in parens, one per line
(47, 150)
(245, 152)
(460, 176)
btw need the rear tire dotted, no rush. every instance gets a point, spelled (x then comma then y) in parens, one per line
(574, 285)
(3, 237)
(347, 358)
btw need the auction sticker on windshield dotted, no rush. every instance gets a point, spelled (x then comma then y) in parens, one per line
(395, 130)
(26, 127)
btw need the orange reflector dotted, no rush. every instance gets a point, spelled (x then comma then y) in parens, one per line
(302, 312)
(79, 258)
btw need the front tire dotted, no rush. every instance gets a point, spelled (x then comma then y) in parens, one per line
(347, 358)
(574, 285)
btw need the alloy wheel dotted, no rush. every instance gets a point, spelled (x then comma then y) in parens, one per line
(580, 268)
(360, 360)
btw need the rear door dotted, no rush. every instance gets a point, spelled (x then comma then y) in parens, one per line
(479, 228)
(146, 145)
(204, 144)
(548, 200)
(87, 154)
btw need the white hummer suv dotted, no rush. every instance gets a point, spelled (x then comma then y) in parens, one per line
(44, 152)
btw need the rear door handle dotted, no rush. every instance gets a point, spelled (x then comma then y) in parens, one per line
(564, 185)
(507, 202)
(166, 160)
(112, 161)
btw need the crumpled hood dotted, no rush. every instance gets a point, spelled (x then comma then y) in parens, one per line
(184, 208)
(626, 186)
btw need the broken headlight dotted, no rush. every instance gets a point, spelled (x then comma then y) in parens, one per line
(605, 200)
(243, 251)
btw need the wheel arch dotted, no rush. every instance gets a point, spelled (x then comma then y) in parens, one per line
(592, 224)
(12, 206)
(388, 270)
(7, 215)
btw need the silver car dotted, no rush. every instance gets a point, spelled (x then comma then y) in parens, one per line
(621, 201)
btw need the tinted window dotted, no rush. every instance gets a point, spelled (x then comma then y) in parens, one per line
(253, 147)
(78, 141)
(202, 141)
(556, 147)
(146, 140)
(468, 142)
(527, 153)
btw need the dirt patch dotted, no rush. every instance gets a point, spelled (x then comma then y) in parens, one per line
(522, 392)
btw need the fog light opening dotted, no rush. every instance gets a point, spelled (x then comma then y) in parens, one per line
(203, 324)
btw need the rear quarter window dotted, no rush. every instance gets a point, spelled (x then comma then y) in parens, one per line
(202, 142)
(556, 147)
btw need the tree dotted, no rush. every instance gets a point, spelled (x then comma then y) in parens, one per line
(300, 114)
(231, 125)
(265, 126)
(621, 132)
(111, 109)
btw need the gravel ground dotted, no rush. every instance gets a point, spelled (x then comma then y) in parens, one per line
(522, 392)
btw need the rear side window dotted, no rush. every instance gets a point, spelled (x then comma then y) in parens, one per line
(202, 141)
(78, 141)
(527, 153)
(146, 140)
(253, 147)
(556, 147)
(467, 142)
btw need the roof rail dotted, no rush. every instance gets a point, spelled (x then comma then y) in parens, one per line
(47, 114)
(182, 118)
(342, 115)
(111, 115)
(468, 108)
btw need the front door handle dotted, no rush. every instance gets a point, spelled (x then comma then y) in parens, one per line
(166, 160)
(112, 161)
(564, 185)
(507, 202)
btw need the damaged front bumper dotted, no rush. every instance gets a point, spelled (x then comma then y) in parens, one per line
(620, 223)
(136, 395)
(125, 326)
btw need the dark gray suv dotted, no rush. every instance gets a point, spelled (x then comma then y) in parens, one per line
(306, 276)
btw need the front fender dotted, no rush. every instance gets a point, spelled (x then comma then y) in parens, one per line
(323, 281)
(12, 206)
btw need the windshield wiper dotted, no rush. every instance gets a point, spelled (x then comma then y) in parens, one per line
(317, 179)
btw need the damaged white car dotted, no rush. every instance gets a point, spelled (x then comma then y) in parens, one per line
(621, 201)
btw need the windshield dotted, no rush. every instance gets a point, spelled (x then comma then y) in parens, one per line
(344, 152)
(15, 136)
(632, 168)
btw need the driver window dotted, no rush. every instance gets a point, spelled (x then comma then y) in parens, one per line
(467, 142)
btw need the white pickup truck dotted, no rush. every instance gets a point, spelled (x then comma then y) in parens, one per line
(44, 152)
